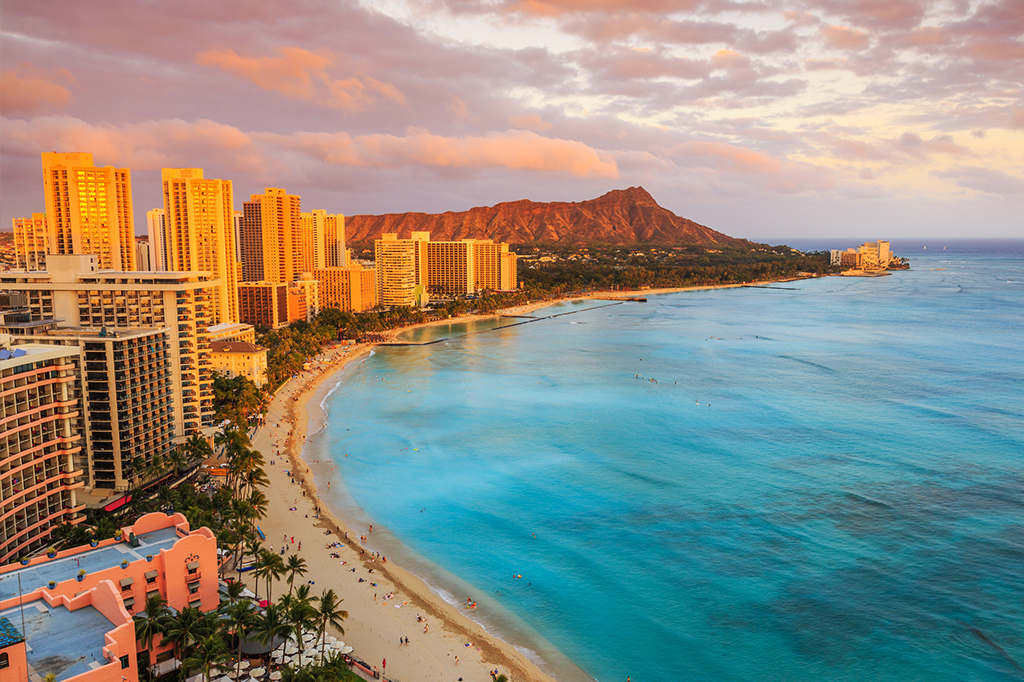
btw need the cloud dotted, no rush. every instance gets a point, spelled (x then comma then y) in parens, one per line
(299, 73)
(844, 37)
(515, 150)
(766, 171)
(140, 146)
(529, 122)
(985, 180)
(31, 90)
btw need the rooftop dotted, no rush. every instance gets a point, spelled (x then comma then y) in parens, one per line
(65, 643)
(235, 347)
(92, 560)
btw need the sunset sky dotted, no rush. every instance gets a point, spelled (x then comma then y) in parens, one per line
(764, 119)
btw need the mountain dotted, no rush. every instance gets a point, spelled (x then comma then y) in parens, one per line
(621, 217)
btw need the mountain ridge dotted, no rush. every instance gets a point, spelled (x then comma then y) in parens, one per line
(619, 217)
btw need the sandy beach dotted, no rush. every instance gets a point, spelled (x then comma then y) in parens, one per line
(390, 603)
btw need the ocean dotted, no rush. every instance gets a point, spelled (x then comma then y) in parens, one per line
(816, 480)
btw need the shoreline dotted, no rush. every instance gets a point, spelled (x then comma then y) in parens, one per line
(458, 646)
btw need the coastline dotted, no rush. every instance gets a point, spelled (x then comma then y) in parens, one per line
(455, 646)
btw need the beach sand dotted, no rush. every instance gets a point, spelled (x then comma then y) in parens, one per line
(451, 646)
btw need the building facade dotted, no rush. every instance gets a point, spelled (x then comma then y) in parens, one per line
(39, 442)
(401, 269)
(30, 242)
(201, 235)
(156, 228)
(495, 267)
(352, 289)
(89, 209)
(240, 358)
(79, 295)
(450, 268)
(272, 237)
(263, 304)
(327, 239)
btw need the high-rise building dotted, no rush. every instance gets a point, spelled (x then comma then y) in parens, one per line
(263, 304)
(89, 209)
(401, 269)
(30, 242)
(450, 268)
(271, 232)
(201, 235)
(237, 220)
(79, 295)
(327, 237)
(495, 267)
(156, 224)
(352, 289)
(310, 287)
(143, 258)
(126, 394)
(38, 444)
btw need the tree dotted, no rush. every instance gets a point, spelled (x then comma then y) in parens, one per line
(296, 566)
(185, 629)
(271, 625)
(271, 568)
(151, 622)
(239, 617)
(208, 651)
(329, 613)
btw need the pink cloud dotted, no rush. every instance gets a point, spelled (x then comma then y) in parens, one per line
(299, 73)
(529, 122)
(763, 170)
(516, 150)
(31, 90)
(140, 146)
(844, 37)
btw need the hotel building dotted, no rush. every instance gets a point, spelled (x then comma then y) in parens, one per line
(495, 267)
(271, 237)
(80, 627)
(232, 331)
(240, 358)
(263, 304)
(30, 239)
(326, 239)
(450, 268)
(352, 289)
(89, 209)
(39, 439)
(128, 407)
(401, 269)
(156, 225)
(201, 235)
(80, 295)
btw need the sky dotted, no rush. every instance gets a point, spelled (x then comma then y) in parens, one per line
(763, 119)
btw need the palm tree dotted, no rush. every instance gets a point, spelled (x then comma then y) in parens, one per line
(239, 617)
(151, 622)
(498, 678)
(208, 651)
(275, 571)
(329, 613)
(185, 629)
(271, 626)
(300, 613)
(296, 566)
(196, 447)
(177, 460)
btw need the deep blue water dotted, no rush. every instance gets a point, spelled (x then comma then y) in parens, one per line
(825, 483)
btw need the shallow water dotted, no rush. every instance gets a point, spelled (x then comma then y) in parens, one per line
(825, 481)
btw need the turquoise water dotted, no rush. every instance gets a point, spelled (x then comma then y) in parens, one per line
(825, 483)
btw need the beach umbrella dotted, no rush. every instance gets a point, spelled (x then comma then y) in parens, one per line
(308, 637)
(242, 665)
(291, 650)
(258, 672)
(231, 673)
(346, 649)
(275, 675)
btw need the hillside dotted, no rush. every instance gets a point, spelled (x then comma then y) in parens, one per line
(620, 217)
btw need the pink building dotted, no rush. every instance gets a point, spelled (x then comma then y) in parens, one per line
(158, 554)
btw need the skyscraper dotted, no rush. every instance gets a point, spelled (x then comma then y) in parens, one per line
(89, 209)
(201, 235)
(30, 242)
(401, 269)
(271, 233)
(156, 223)
(326, 235)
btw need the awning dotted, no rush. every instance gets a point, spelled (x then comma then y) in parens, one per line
(117, 504)
(152, 594)
(151, 574)
(129, 601)
(125, 582)
(192, 565)
(167, 666)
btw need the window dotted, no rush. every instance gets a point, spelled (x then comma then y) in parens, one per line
(4, 661)
(124, 662)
